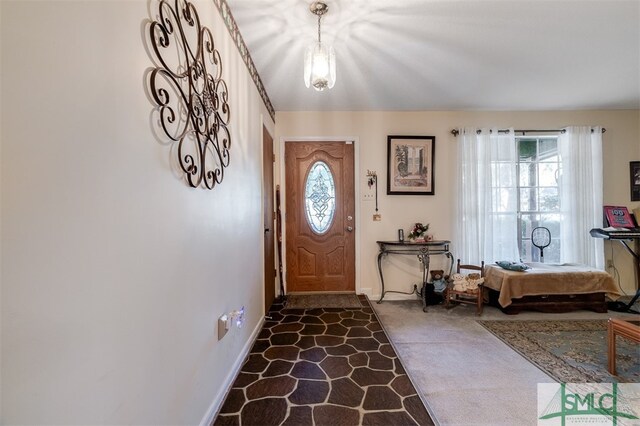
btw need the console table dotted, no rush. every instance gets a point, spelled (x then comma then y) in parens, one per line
(423, 250)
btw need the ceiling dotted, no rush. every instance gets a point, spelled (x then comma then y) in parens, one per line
(450, 55)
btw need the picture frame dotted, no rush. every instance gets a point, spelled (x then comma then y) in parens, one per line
(410, 165)
(634, 176)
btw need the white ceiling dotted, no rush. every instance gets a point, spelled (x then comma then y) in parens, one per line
(450, 55)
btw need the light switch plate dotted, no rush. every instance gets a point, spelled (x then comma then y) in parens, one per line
(377, 217)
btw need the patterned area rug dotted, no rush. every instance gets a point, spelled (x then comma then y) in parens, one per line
(570, 351)
(323, 366)
(311, 301)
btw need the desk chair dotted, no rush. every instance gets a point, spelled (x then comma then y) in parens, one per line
(453, 297)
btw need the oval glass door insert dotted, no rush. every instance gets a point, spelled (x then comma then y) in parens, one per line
(320, 197)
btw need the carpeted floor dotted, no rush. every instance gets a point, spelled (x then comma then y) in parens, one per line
(323, 366)
(570, 351)
(310, 301)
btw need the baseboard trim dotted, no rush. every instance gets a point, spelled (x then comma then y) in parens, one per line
(209, 417)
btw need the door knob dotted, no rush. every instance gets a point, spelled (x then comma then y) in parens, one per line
(349, 218)
(350, 228)
(266, 230)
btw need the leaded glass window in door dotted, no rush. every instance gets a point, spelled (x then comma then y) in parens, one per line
(320, 197)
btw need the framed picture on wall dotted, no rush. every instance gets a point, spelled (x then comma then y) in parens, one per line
(410, 165)
(634, 169)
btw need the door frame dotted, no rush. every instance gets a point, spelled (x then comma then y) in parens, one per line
(356, 193)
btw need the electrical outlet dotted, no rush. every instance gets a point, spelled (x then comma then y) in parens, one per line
(377, 217)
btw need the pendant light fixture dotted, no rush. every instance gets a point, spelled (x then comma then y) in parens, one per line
(319, 59)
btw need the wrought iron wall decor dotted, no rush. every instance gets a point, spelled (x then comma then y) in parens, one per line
(191, 96)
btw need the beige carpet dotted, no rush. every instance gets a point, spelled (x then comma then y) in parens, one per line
(466, 374)
(311, 301)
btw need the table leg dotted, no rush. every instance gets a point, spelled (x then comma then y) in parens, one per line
(381, 277)
(611, 352)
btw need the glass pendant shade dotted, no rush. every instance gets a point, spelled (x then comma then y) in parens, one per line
(320, 66)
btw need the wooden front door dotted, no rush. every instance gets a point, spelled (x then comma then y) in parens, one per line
(320, 217)
(269, 229)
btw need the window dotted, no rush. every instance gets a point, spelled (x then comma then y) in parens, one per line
(320, 197)
(538, 198)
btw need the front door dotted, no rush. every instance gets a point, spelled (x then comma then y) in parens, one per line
(320, 241)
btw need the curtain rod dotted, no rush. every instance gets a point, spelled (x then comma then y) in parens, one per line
(455, 132)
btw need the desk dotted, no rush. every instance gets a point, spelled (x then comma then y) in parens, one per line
(422, 250)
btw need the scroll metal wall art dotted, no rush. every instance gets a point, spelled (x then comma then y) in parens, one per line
(189, 92)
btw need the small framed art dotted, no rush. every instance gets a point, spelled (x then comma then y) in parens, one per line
(410, 165)
(634, 170)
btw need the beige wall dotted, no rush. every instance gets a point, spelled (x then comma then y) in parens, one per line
(621, 145)
(114, 271)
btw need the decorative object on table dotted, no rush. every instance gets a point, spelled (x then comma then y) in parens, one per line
(190, 95)
(634, 171)
(618, 217)
(418, 232)
(570, 351)
(319, 59)
(541, 238)
(401, 235)
(512, 266)
(410, 165)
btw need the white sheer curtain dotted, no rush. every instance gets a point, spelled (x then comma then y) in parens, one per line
(580, 189)
(486, 196)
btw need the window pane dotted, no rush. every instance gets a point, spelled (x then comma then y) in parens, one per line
(528, 200)
(547, 174)
(504, 199)
(527, 149)
(549, 201)
(548, 146)
(527, 174)
(320, 197)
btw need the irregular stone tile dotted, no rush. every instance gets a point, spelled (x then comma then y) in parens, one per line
(307, 319)
(313, 354)
(402, 385)
(336, 366)
(380, 337)
(278, 368)
(275, 316)
(387, 350)
(330, 318)
(233, 402)
(364, 343)
(345, 392)
(341, 350)
(290, 319)
(416, 408)
(244, 379)
(332, 415)
(309, 392)
(385, 418)
(333, 309)
(284, 338)
(268, 324)
(306, 342)
(299, 416)
(361, 316)
(313, 330)
(374, 326)
(399, 368)
(316, 312)
(255, 364)
(365, 376)
(346, 314)
(350, 322)
(272, 386)
(264, 333)
(293, 311)
(283, 328)
(336, 330)
(380, 362)
(268, 411)
(227, 420)
(259, 346)
(381, 398)
(307, 370)
(358, 360)
(359, 332)
(289, 353)
(326, 341)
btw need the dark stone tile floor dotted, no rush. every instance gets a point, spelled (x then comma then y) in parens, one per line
(325, 366)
